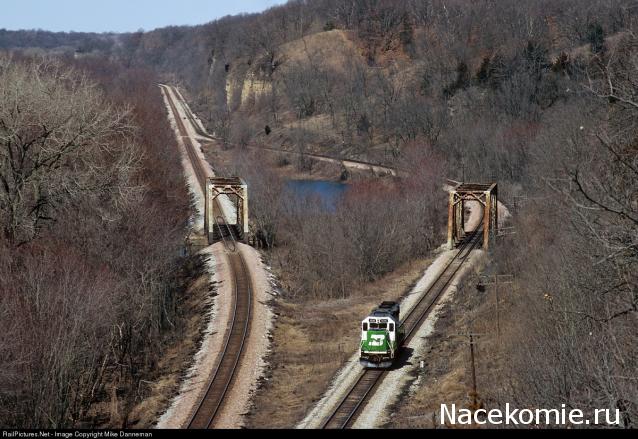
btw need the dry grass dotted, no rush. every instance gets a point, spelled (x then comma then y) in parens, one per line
(446, 377)
(177, 356)
(321, 170)
(318, 124)
(311, 341)
(333, 48)
(177, 353)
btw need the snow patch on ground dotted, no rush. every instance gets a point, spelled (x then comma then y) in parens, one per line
(375, 411)
(256, 347)
(197, 377)
(227, 206)
(197, 120)
(503, 213)
(349, 373)
(196, 380)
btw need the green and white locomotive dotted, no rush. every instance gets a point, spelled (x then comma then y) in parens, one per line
(381, 336)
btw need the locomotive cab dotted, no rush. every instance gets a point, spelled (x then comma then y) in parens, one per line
(381, 336)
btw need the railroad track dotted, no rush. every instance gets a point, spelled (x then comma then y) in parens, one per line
(222, 379)
(200, 172)
(191, 116)
(229, 244)
(224, 375)
(369, 379)
(321, 157)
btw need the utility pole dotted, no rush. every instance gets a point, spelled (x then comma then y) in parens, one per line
(474, 394)
(504, 279)
(471, 337)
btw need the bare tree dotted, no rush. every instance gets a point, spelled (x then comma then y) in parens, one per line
(54, 126)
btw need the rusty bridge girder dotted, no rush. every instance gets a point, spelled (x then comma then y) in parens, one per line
(236, 189)
(486, 195)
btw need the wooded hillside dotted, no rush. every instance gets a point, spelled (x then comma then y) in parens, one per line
(540, 96)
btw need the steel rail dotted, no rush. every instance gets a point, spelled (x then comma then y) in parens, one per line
(190, 116)
(349, 407)
(220, 221)
(198, 168)
(225, 370)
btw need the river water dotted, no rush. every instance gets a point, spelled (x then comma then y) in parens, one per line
(317, 192)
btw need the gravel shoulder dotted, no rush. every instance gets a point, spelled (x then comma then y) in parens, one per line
(386, 395)
(218, 312)
(257, 345)
(196, 379)
(346, 376)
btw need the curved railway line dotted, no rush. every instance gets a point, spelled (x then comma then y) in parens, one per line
(191, 116)
(351, 405)
(376, 167)
(224, 375)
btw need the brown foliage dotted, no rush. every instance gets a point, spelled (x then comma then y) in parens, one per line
(378, 225)
(86, 301)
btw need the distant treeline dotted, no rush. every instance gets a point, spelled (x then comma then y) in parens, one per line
(79, 41)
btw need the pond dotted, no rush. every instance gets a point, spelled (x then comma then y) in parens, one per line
(327, 192)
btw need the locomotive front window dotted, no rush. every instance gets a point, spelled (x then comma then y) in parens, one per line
(365, 326)
(391, 327)
(378, 325)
